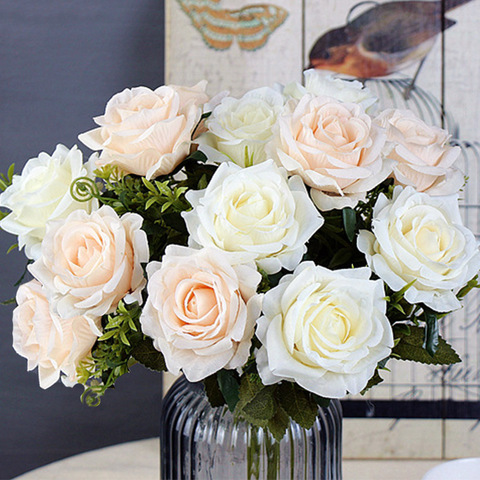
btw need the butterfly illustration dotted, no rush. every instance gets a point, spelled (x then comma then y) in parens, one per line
(250, 25)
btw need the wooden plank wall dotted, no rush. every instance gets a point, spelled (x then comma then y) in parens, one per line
(450, 74)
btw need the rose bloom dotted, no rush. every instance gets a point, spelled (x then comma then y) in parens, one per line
(255, 211)
(421, 239)
(335, 147)
(423, 157)
(91, 262)
(147, 132)
(319, 84)
(201, 310)
(325, 330)
(42, 193)
(53, 344)
(238, 129)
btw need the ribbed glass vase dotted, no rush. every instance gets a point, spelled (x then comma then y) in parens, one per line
(202, 442)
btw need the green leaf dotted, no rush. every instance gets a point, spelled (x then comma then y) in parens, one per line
(10, 172)
(229, 386)
(10, 301)
(349, 222)
(197, 156)
(341, 257)
(213, 392)
(250, 386)
(320, 401)
(145, 353)
(150, 202)
(262, 407)
(297, 403)
(431, 332)
(375, 380)
(278, 424)
(473, 283)
(410, 347)
(149, 185)
(13, 247)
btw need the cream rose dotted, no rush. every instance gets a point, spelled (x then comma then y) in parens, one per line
(319, 84)
(325, 330)
(335, 147)
(421, 239)
(42, 193)
(91, 262)
(424, 158)
(201, 310)
(255, 211)
(147, 132)
(53, 344)
(238, 129)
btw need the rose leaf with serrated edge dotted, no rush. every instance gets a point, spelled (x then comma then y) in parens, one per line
(145, 353)
(410, 347)
(297, 404)
(279, 423)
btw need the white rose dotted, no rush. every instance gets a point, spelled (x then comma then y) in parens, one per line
(238, 129)
(201, 310)
(147, 132)
(422, 239)
(42, 193)
(335, 147)
(256, 211)
(423, 158)
(320, 84)
(53, 344)
(325, 330)
(91, 262)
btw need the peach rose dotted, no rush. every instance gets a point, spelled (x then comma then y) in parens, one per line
(92, 261)
(53, 344)
(335, 147)
(147, 132)
(424, 157)
(201, 310)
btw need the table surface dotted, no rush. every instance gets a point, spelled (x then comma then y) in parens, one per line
(140, 460)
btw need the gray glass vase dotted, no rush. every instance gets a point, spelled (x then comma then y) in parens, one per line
(202, 442)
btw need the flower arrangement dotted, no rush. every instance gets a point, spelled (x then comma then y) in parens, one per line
(280, 247)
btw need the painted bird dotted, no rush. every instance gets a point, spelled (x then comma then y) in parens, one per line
(384, 39)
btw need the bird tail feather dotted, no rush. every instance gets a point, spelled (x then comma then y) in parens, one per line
(451, 4)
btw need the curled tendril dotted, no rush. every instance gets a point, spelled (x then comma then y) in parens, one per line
(84, 189)
(92, 395)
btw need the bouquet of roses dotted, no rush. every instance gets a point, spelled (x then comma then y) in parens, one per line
(281, 247)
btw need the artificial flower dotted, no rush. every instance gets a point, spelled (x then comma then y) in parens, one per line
(420, 240)
(147, 132)
(201, 310)
(42, 193)
(238, 129)
(325, 330)
(423, 157)
(90, 262)
(255, 211)
(335, 147)
(55, 345)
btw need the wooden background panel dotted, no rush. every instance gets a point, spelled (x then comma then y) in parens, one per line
(282, 59)
(189, 59)
(462, 69)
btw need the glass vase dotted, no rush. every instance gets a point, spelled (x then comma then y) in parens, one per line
(199, 441)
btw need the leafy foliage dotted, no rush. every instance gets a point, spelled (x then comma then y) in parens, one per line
(410, 347)
(112, 353)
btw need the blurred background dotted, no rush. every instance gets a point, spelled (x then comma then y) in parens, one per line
(60, 61)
